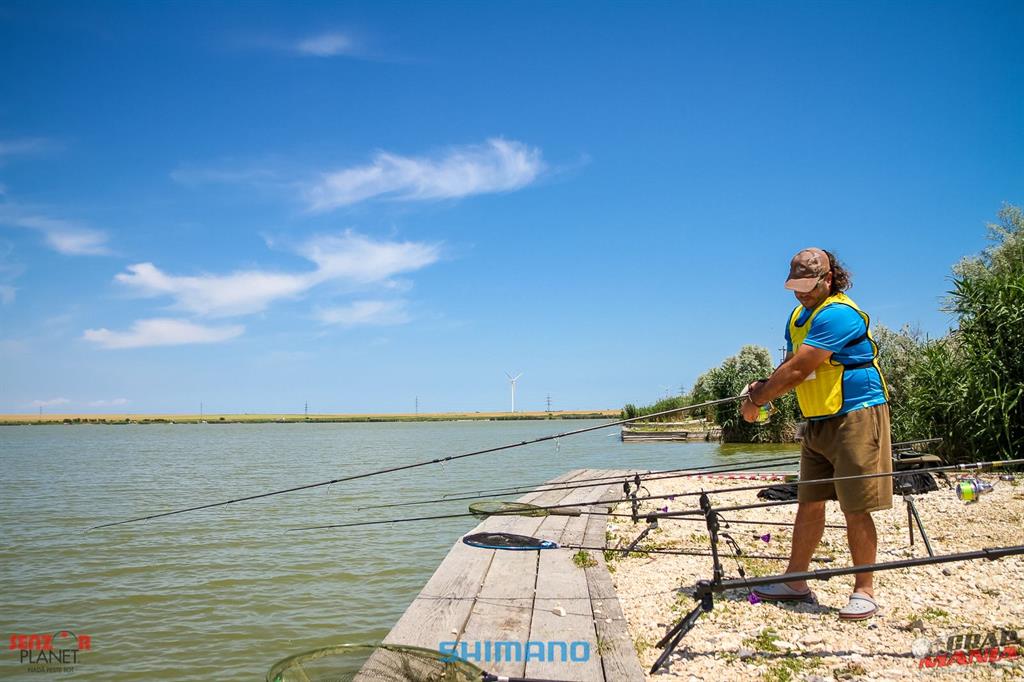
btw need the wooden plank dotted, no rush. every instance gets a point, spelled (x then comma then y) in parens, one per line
(553, 527)
(495, 595)
(619, 660)
(575, 530)
(562, 588)
(439, 613)
(503, 609)
(440, 610)
(595, 535)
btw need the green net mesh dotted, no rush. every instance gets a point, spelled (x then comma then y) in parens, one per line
(369, 663)
(487, 508)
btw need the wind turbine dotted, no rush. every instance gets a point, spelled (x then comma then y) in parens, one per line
(512, 380)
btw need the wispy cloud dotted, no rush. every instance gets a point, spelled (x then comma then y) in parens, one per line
(238, 293)
(364, 313)
(64, 236)
(359, 259)
(116, 402)
(347, 258)
(499, 165)
(52, 402)
(161, 332)
(332, 44)
(25, 146)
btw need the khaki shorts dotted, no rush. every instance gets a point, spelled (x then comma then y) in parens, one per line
(851, 444)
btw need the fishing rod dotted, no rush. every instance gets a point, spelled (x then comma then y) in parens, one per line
(484, 510)
(907, 444)
(514, 542)
(647, 476)
(414, 465)
(977, 466)
(498, 492)
(669, 475)
(536, 509)
(705, 590)
(787, 459)
(572, 485)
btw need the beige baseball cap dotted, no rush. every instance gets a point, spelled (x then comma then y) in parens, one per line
(806, 270)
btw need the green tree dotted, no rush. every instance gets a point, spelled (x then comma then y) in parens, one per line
(899, 352)
(729, 379)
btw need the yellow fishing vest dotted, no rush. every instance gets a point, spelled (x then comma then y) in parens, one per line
(821, 393)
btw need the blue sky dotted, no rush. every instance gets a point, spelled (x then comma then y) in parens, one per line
(255, 205)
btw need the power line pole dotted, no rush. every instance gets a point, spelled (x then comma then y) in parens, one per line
(549, 402)
(307, 410)
(417, 404)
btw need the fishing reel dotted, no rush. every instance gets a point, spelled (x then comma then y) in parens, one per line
(970, 489)
(765, 411)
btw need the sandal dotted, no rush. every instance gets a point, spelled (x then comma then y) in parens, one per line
(783, 592)
(860, 607)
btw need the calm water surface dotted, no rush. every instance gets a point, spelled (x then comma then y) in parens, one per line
(221, 594)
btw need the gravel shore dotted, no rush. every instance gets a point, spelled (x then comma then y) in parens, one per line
(920, 607)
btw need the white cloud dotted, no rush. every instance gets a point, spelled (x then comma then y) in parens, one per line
(116, 402)
(52, 402)
(497, 166)
(239, 293)
(351, 256)
(361, 313)
(162, 332)
(327, 45)
(7, 294)
(62, 235)
(347, 258)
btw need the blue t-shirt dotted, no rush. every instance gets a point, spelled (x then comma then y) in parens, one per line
(835, 327)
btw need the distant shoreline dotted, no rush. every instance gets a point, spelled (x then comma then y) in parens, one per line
(121, 419)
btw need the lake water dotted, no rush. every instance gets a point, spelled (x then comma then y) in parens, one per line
(222, 594)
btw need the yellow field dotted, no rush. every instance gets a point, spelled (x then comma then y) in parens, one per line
(14, 419)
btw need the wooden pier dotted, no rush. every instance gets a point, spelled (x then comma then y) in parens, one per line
(484, 595)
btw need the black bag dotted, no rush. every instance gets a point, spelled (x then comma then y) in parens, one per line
(914, 483)
(779, 493)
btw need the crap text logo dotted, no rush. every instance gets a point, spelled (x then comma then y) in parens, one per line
(491, 651)
(968, 648)
(59, 652)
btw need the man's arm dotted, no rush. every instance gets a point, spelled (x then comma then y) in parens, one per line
(791, 372)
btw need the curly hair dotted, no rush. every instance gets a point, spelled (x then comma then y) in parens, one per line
(841, 278)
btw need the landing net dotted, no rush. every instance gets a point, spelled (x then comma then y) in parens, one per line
(487, 508)
(507, 541)
(369, 663)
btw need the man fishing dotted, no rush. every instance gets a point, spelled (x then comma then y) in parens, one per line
(831, 361)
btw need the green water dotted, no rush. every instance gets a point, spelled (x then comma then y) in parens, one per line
(222, 594)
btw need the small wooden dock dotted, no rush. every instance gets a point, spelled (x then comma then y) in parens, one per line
(663, 434)
(483, 595)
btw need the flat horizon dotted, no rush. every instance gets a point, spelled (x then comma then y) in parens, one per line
(294, 415)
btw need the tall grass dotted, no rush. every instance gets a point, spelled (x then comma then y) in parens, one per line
(968, 386)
